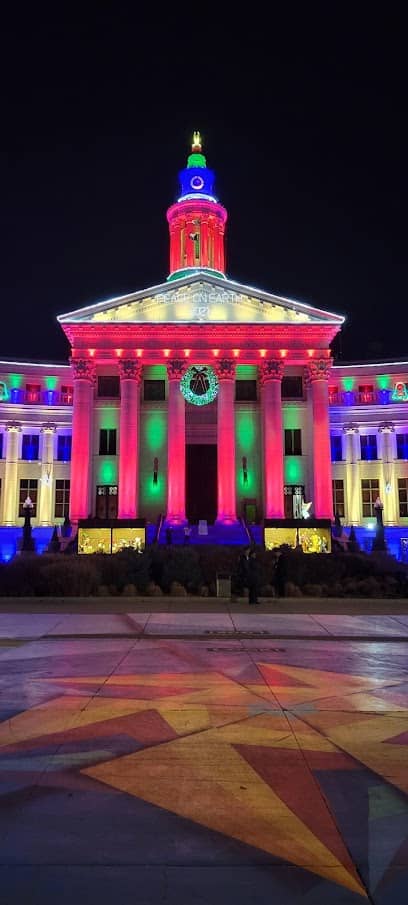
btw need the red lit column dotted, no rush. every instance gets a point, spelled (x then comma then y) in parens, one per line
(176, 445)
(225, 371)
(81, 456)
(272, 429)
(317, 373)
(130, 377)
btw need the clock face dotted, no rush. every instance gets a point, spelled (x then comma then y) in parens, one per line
(197, 183)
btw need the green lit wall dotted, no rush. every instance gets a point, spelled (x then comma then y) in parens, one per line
(295, 467)
(248, 444)
(153, 444)
(105, 468)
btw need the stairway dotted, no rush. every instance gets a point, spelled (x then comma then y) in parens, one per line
(226, 535)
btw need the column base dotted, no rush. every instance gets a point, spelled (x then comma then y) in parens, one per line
(176, 519)
(226, 520)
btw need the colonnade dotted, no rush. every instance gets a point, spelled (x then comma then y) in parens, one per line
(130, 371)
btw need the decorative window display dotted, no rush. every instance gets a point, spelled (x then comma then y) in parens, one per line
(199, 385)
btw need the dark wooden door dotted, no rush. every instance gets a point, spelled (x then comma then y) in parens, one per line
(201, 482)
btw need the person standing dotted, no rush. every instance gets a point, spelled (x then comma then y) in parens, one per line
(242, 571)
(253, 578)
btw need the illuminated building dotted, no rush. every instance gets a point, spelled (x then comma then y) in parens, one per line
(202, 398)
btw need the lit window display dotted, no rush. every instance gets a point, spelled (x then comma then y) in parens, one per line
(94, 540)
(128, 538)
(310, 538)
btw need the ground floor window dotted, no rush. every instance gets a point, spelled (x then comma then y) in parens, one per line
(403, 497)
(370, 490)
(338, 498)
(294, 495)
(62, 490)
(106, 501)
(28, 487)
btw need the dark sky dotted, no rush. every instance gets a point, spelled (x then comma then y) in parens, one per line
(303, 121)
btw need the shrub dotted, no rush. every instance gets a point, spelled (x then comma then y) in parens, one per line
(177, 589)
(153, 590)
(292, 590)
(130, 590)
(313, 590)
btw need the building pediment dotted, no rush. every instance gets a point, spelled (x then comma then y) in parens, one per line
(201, 299)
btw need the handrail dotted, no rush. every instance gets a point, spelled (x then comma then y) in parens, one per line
(159, 527)
(246, 529)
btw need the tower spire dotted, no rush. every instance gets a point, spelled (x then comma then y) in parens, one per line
(197, 220)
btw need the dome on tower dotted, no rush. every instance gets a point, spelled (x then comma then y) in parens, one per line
(196, 180)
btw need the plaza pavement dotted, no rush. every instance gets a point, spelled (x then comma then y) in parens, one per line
(198, 751)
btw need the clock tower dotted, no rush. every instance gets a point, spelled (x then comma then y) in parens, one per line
(196, 220)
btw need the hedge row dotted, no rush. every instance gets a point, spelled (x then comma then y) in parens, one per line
(193, 570)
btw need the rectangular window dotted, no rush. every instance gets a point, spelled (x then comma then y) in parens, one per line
(67, 395)
(292, 387)
(402, 446)
(368, 446)
(338, 498)
(293, 442)
(245, 390)
(107, 442)
(62, 490)
(370, 490)
(30, 447)
(28, 487)
(33, 392)
(336, 444)
(154, 390)
(366, 393)
(109, 386)
(403, 497)
(64, 448)
(333, 395)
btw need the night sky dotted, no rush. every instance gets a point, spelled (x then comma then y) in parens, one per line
(302, 120)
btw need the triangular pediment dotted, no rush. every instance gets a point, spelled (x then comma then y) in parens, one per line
(201, 299)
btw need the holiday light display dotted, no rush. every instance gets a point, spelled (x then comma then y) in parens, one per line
(199, 385)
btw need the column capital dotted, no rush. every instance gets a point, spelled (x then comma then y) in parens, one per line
(130, 369)
(318, 369)
(386, 427)
(225, 369)
(351, 428)
(83, 369)
(15, 426)
(273, 369)
(176, 368)
(48, 427)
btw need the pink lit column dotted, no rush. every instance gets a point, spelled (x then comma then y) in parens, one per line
(317, 373)
(176, 445)
(225, 371)
(271, 382)
(130, 377)
(81, 456)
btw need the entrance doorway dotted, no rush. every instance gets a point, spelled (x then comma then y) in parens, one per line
(201, 482)
(106, 501)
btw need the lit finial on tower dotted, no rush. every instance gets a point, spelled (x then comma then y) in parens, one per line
(196, 145)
